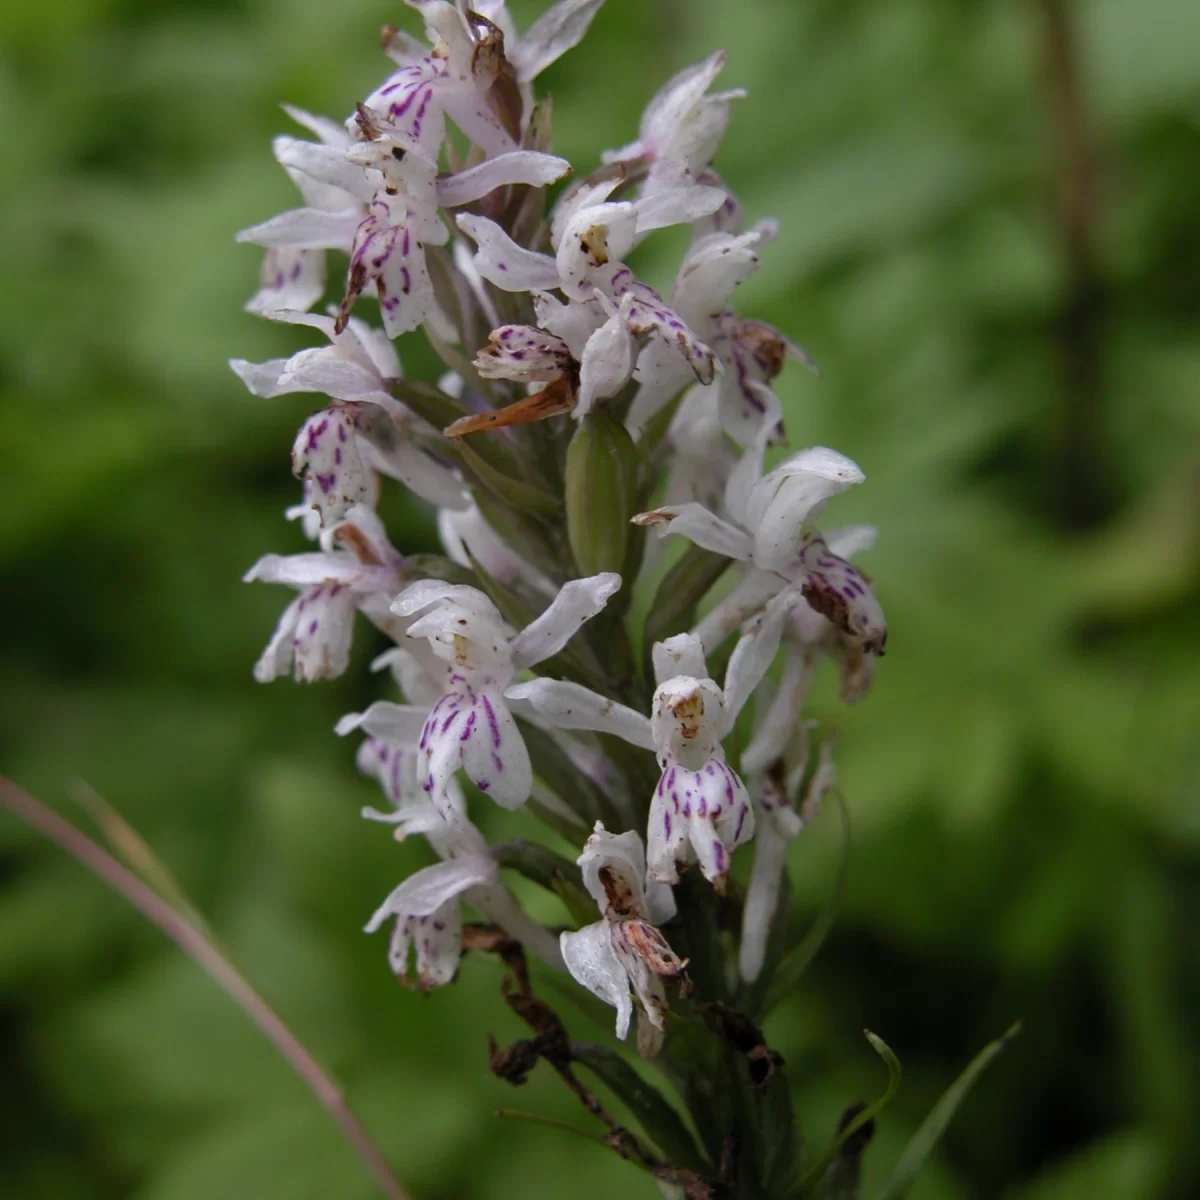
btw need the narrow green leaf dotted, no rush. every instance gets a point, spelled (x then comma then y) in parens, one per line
(428, 402)
(940, 1116)
(798, 960)
(551, 871)
(815, 1174)
(435, 566)
(681, 589)
(526, 535)
(843, 1180)
(655, 429)
(661, 1123)
(524, 497)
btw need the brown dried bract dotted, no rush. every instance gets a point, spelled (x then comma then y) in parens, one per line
(656, 516)
(744, 1036)
(556, 398)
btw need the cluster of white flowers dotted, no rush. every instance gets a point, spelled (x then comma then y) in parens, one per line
(451, 243)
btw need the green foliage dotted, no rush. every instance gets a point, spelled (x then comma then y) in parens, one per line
(1022, 780)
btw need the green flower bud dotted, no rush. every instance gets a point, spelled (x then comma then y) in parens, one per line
(601, 493)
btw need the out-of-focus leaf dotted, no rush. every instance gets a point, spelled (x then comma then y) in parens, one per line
(815, 1175)
(663, 1125)
(934, 1125)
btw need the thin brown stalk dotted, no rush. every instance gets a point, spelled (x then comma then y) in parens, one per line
(197, 947)
(1083, 486)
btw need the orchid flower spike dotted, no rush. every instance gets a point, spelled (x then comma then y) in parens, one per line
(624, 951)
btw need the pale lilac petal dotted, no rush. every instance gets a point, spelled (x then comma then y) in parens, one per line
(701, 527)
(519, 166)
(591, 961)
(572, 706)
(676, 206)
(559, 29)
(289, 279)
(578, 602)
(304, 570)
(747, 474)
(784, 500)
(327, 165)
(400, 724)
(387, 254)
(428, 889)
(422, 475)
(851, 540)
(714, 267)
(502, 262)
(425, 592)
(408, 100)
(754, 653)
(679, 655)
(261, 379)
(305, 229)
(773, 728)
(326, 454)
(596, 236)
(494, 756)
(675, 101)
(667, 830)
(325, 369)
(332, 133)
(762, 899)
(395, 769)
(751, 593)
(575, 199)
(662, 374)
(608, 360)
(573, 322)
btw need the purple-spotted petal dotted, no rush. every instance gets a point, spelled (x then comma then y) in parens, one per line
(388, 254)
(326, 454)
(289, 279)
(838, 591)
(313, 636)
(649, 314)
(523, 354)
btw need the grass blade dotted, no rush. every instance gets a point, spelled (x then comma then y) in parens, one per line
(940, 1116)
(196, 945)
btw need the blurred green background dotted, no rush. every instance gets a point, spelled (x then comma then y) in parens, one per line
(1004, 302)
